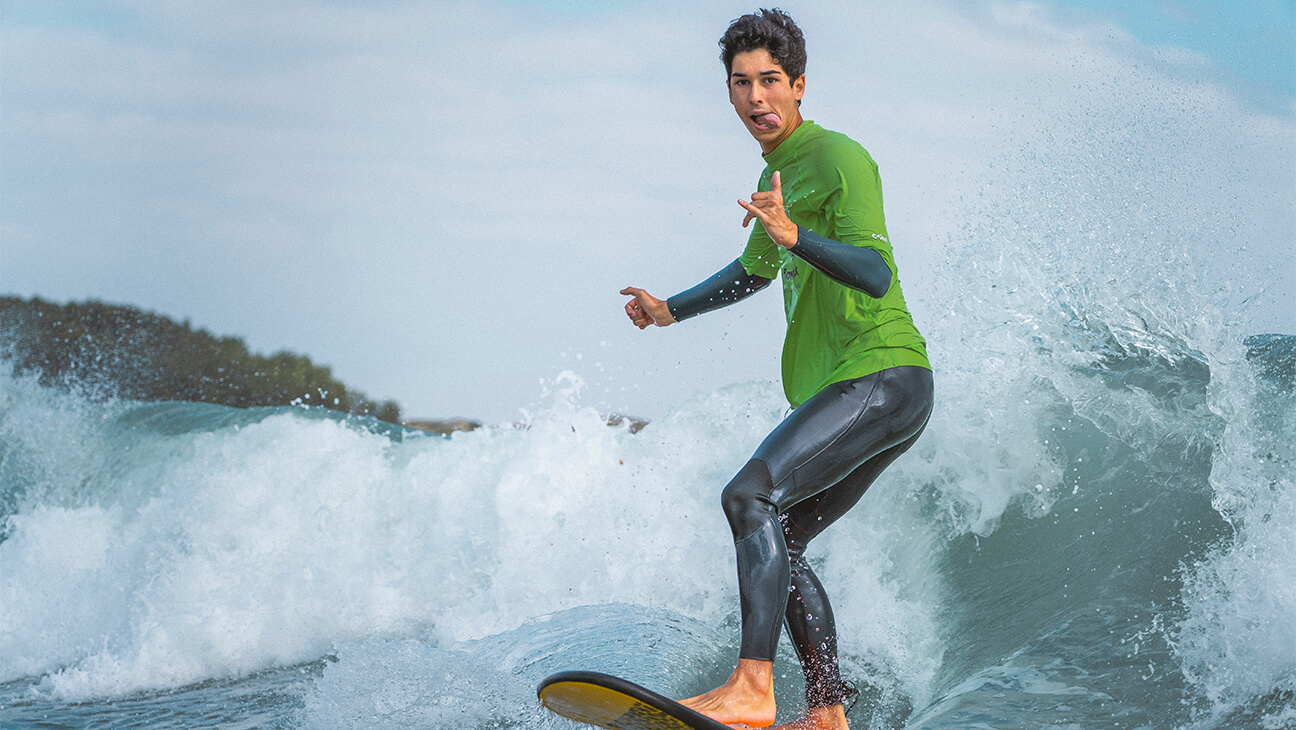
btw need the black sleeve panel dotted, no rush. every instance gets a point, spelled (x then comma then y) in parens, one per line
(857, 267)
(730, 284)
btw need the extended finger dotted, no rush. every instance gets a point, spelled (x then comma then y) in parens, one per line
(763, 208)
(752, 212)
(778, 184)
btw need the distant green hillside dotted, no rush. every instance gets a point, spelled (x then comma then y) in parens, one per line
(109, 350)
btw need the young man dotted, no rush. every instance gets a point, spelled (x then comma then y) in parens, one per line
(855, 368)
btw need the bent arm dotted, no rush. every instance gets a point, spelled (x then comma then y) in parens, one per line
(857, 267)
(729, 285)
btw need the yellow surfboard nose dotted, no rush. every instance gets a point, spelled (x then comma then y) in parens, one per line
(613, 703)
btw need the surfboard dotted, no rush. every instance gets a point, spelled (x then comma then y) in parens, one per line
(617, 704)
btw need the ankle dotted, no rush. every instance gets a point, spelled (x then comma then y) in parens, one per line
(833, 716)
(754, 674)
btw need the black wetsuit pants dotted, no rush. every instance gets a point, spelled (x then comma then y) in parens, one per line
(810, 470)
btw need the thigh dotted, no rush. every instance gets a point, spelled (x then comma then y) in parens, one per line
(809, 517)
(842, 427)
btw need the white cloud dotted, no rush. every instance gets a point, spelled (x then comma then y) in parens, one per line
(439, 199)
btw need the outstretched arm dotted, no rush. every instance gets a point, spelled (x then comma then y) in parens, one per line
(857, 267)
(729, 285)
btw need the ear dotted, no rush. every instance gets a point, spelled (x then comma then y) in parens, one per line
(798, 87)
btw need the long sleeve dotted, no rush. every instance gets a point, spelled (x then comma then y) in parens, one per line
(858, 267)
(729, 285)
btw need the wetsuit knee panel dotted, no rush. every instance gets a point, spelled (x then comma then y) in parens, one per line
(746, 500)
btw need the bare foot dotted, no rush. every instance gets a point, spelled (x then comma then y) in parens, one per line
(746, 699)
(818, 718)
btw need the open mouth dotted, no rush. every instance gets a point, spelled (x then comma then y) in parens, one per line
(766, 120)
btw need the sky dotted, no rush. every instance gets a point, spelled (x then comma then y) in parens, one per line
(440, 200)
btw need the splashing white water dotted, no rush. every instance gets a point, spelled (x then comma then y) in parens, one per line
(273, 540)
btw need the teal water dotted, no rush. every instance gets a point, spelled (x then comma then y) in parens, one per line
(1111, 548)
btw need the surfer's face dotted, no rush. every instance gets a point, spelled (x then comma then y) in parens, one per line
(764, 97)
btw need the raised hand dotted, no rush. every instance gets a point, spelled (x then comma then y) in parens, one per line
(646, 309)
(768, 207)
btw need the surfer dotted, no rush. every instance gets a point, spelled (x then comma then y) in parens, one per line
(854, 367)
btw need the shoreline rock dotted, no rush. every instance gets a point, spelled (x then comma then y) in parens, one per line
(447, 426)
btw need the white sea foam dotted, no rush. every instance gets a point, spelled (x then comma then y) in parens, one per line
(276, 537)
(274, 540)
(1237, 640)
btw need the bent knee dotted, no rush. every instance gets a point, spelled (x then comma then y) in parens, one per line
(746, 499)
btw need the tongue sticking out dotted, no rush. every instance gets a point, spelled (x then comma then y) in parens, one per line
(769, 120)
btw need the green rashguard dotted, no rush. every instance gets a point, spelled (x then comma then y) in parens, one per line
(831, 187)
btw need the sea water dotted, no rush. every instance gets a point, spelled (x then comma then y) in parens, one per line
(1095, 531)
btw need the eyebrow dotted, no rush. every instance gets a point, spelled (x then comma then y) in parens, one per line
(770, 72)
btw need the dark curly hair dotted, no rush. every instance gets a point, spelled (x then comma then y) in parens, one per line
(772, 30)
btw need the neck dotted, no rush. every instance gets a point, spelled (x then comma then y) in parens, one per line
(768, 147)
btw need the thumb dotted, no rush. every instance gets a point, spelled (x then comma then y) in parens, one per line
(778, 184)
